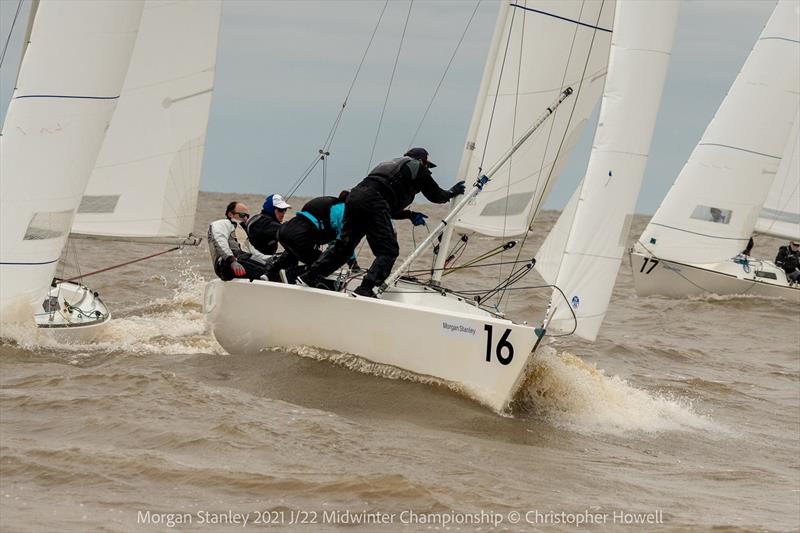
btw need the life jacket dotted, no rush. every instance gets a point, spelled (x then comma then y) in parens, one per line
(396, 179)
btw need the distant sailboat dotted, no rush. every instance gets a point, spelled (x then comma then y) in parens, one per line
(145, 181)
(428, 330)
(70, 80)
(742, 176)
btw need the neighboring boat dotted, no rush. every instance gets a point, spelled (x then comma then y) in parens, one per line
(69, 82)
(145, 181)
(449, 337)
(741, 177)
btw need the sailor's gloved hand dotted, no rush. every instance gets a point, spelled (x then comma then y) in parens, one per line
(418, 219)
(238, 269)
(457, 189)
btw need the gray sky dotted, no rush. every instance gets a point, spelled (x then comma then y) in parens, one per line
(284, 68)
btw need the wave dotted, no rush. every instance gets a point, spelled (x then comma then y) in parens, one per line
(571, 393)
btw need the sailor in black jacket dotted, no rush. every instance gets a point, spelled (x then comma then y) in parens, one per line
(262, 229)
(788, 259)
(380, 197)
(319, 222)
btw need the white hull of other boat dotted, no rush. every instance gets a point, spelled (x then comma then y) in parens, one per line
(72, 313)
(656, 276)
(412, 328)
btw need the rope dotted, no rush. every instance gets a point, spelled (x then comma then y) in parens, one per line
(444, 74)
(389, 89)
(124, 264)
(326, 146)
(10, 32)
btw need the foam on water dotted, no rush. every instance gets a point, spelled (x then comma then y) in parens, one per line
(574, 394)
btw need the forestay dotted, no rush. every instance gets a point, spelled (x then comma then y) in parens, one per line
(601, 217)
(780, 216)
(144, 186)
(711, 210)
(540, 48)
(69, 82)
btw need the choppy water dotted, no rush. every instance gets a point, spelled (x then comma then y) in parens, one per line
(687, 409)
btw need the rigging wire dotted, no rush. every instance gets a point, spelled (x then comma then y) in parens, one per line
(389, 89)
(444, 74)
(326, 146)
(10, 32)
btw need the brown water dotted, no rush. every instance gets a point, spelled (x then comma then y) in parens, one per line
(687, 409)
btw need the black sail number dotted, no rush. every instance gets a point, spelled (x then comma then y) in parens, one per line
(504, 351)
(644, 265)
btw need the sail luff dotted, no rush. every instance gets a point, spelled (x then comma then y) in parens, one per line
(469, 144)
(780, 215)
(69, 84)
(639, 57)
(711, 210)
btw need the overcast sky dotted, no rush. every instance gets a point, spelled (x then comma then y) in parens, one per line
(284, 68)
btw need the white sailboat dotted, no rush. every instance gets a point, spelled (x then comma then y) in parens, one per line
(741, 177)
(145, 181)
(454, 340)
(69, 83)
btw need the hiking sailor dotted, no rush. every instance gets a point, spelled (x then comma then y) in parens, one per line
(383, 195)
(319, 222)
(262, 229)
(788, 259)
(227, 256)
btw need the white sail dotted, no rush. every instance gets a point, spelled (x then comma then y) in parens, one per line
(544, 47)
(548, 258)
(711, 210)
(640, 52)
(144, 186)
(68, 86)
(780, 216)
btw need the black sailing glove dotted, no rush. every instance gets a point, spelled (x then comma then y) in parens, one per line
(457, 189)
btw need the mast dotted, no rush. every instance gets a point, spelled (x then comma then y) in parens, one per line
(469, 146)
(31, 17)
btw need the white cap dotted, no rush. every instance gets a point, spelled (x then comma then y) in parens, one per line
(279, 202)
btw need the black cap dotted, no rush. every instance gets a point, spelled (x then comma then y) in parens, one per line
(421, 154)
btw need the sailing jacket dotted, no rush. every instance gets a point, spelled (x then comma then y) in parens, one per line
(262, 230)
(787, 259)
(398, 181)
(222, 243)
(326, 214)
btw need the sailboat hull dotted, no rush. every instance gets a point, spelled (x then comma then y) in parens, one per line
(75, 313)
(655, 276)
(414, 329)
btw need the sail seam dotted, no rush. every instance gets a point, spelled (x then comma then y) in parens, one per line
(740, 149)
(78, 97)
(701, 234)
(578, 22)
(28, 264)
(779, 39)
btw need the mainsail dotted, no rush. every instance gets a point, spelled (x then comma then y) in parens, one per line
(540, 48)
(780, 216)
(711, 210)
(600, 218)
(144, 186)
(68, 86)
